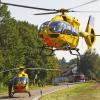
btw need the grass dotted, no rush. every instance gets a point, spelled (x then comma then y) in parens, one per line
(84, 91)
(3, 89)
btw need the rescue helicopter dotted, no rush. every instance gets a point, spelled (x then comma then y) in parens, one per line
(62, 31)
(20, 82)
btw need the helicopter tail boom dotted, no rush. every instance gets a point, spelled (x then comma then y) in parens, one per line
(89, 34)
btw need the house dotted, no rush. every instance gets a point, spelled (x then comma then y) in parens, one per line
(70, 75)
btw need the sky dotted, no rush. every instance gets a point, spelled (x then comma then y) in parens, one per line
(25, 14)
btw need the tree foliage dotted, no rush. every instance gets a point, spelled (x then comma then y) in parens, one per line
(19, 44)
(90, 65)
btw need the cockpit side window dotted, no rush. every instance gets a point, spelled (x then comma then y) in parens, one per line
(74, 31)
(67, 29)
(44, 25)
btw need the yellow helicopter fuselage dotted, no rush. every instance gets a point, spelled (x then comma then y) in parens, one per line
(69, 37)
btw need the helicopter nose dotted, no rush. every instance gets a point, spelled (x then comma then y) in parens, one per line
(53, 35)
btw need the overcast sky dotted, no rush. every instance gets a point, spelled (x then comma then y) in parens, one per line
(27, 15)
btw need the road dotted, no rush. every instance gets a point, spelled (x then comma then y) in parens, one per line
(35, 93)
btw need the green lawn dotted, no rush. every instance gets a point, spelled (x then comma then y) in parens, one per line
(3, 89)
(84, 91)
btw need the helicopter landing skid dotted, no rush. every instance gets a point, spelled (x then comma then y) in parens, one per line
(75, 49)
(52, 50)
(68, 48)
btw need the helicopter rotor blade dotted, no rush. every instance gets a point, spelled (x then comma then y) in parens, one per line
(85, 11)
(46, 13)
(30, 69)
(97, 35)
(55, 10)
(9, 70)
(11, 4)
(92, 1)
(47, 69)
(65, 10)
(94, 35)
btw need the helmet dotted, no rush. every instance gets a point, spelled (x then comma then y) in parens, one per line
(21, 67)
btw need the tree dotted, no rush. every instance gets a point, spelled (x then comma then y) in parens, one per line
(19, 44)
(89, 64)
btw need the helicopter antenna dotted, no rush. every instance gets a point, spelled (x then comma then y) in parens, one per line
(83, 4)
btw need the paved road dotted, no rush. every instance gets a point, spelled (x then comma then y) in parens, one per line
(35, 93)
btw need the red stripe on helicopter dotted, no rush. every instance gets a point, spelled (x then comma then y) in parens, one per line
(48, 41)
(19, 88)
